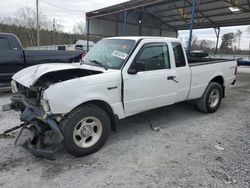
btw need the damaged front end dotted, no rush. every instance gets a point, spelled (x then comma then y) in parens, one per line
(39, 123)
(36, 119)
(28, 88)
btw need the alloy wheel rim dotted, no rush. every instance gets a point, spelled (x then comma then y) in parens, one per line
(87, 132)
(214, 98)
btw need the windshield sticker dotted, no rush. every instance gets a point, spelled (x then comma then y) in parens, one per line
(125, 47)
(119, 54)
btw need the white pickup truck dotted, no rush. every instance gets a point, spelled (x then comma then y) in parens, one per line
(119, 77)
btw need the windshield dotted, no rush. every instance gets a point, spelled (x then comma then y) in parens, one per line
(109, 53)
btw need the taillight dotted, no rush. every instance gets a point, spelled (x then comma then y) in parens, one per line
(235, 70)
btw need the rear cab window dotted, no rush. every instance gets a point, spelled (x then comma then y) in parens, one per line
(178, 55)
(4, 44)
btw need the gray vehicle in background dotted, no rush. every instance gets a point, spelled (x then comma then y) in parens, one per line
(14, 58)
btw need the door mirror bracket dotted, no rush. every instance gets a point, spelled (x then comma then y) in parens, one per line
(136, 67)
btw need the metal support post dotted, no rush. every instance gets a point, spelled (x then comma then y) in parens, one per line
(37, 25)
(125, 23)
(87, 19)
(217, 33)
(191, 27)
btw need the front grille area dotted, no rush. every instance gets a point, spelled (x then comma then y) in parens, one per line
(32, 96)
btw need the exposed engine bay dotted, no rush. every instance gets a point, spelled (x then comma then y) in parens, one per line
(59, 76)
(33, 94)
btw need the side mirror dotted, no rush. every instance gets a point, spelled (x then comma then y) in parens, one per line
(136, 67)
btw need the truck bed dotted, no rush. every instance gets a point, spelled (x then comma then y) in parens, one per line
(207, 68)
(204, 61)
(52, 56)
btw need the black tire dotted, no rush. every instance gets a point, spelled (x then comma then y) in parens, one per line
(203, 102)
(71, 121)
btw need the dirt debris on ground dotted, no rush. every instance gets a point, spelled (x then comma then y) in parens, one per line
(188, 149)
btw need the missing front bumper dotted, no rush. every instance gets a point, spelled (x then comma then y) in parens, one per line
(39, 152)
(34, 114)
(38, 122)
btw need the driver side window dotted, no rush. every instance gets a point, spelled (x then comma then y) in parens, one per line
(155, 56)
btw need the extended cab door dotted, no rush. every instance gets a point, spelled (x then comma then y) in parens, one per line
(183, 72)
(153, 86)
(11, 60)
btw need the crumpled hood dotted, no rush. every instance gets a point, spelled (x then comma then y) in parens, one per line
(30, 75)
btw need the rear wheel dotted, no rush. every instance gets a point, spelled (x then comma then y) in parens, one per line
(85, 130)
(211, 99)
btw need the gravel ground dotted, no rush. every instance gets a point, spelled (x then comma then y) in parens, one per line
(191, 149)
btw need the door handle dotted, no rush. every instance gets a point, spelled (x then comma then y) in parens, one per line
(172, 78)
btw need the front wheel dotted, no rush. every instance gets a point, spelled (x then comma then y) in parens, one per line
(211, 99)
(85, 130)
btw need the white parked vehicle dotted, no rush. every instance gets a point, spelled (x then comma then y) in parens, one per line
(119, 77)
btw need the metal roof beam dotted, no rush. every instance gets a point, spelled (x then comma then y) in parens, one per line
(162, 22)
(201, 13)
(212, 16)
(132, 15)
(205, 11)
(232, 4)
(179, 14)
(225, 14)
(121, 9)
(165, 10)
(220, 8)
(234, 22)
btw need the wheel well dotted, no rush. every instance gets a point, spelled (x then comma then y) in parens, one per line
(219, 80)
(105, 106)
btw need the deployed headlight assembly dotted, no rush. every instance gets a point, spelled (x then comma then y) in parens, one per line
(45, 105)
(14, 87)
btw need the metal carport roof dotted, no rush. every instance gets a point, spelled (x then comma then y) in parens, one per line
(174, 15)
(177, 13)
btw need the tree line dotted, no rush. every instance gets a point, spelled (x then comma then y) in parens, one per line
(230, 44)
(23, 25)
